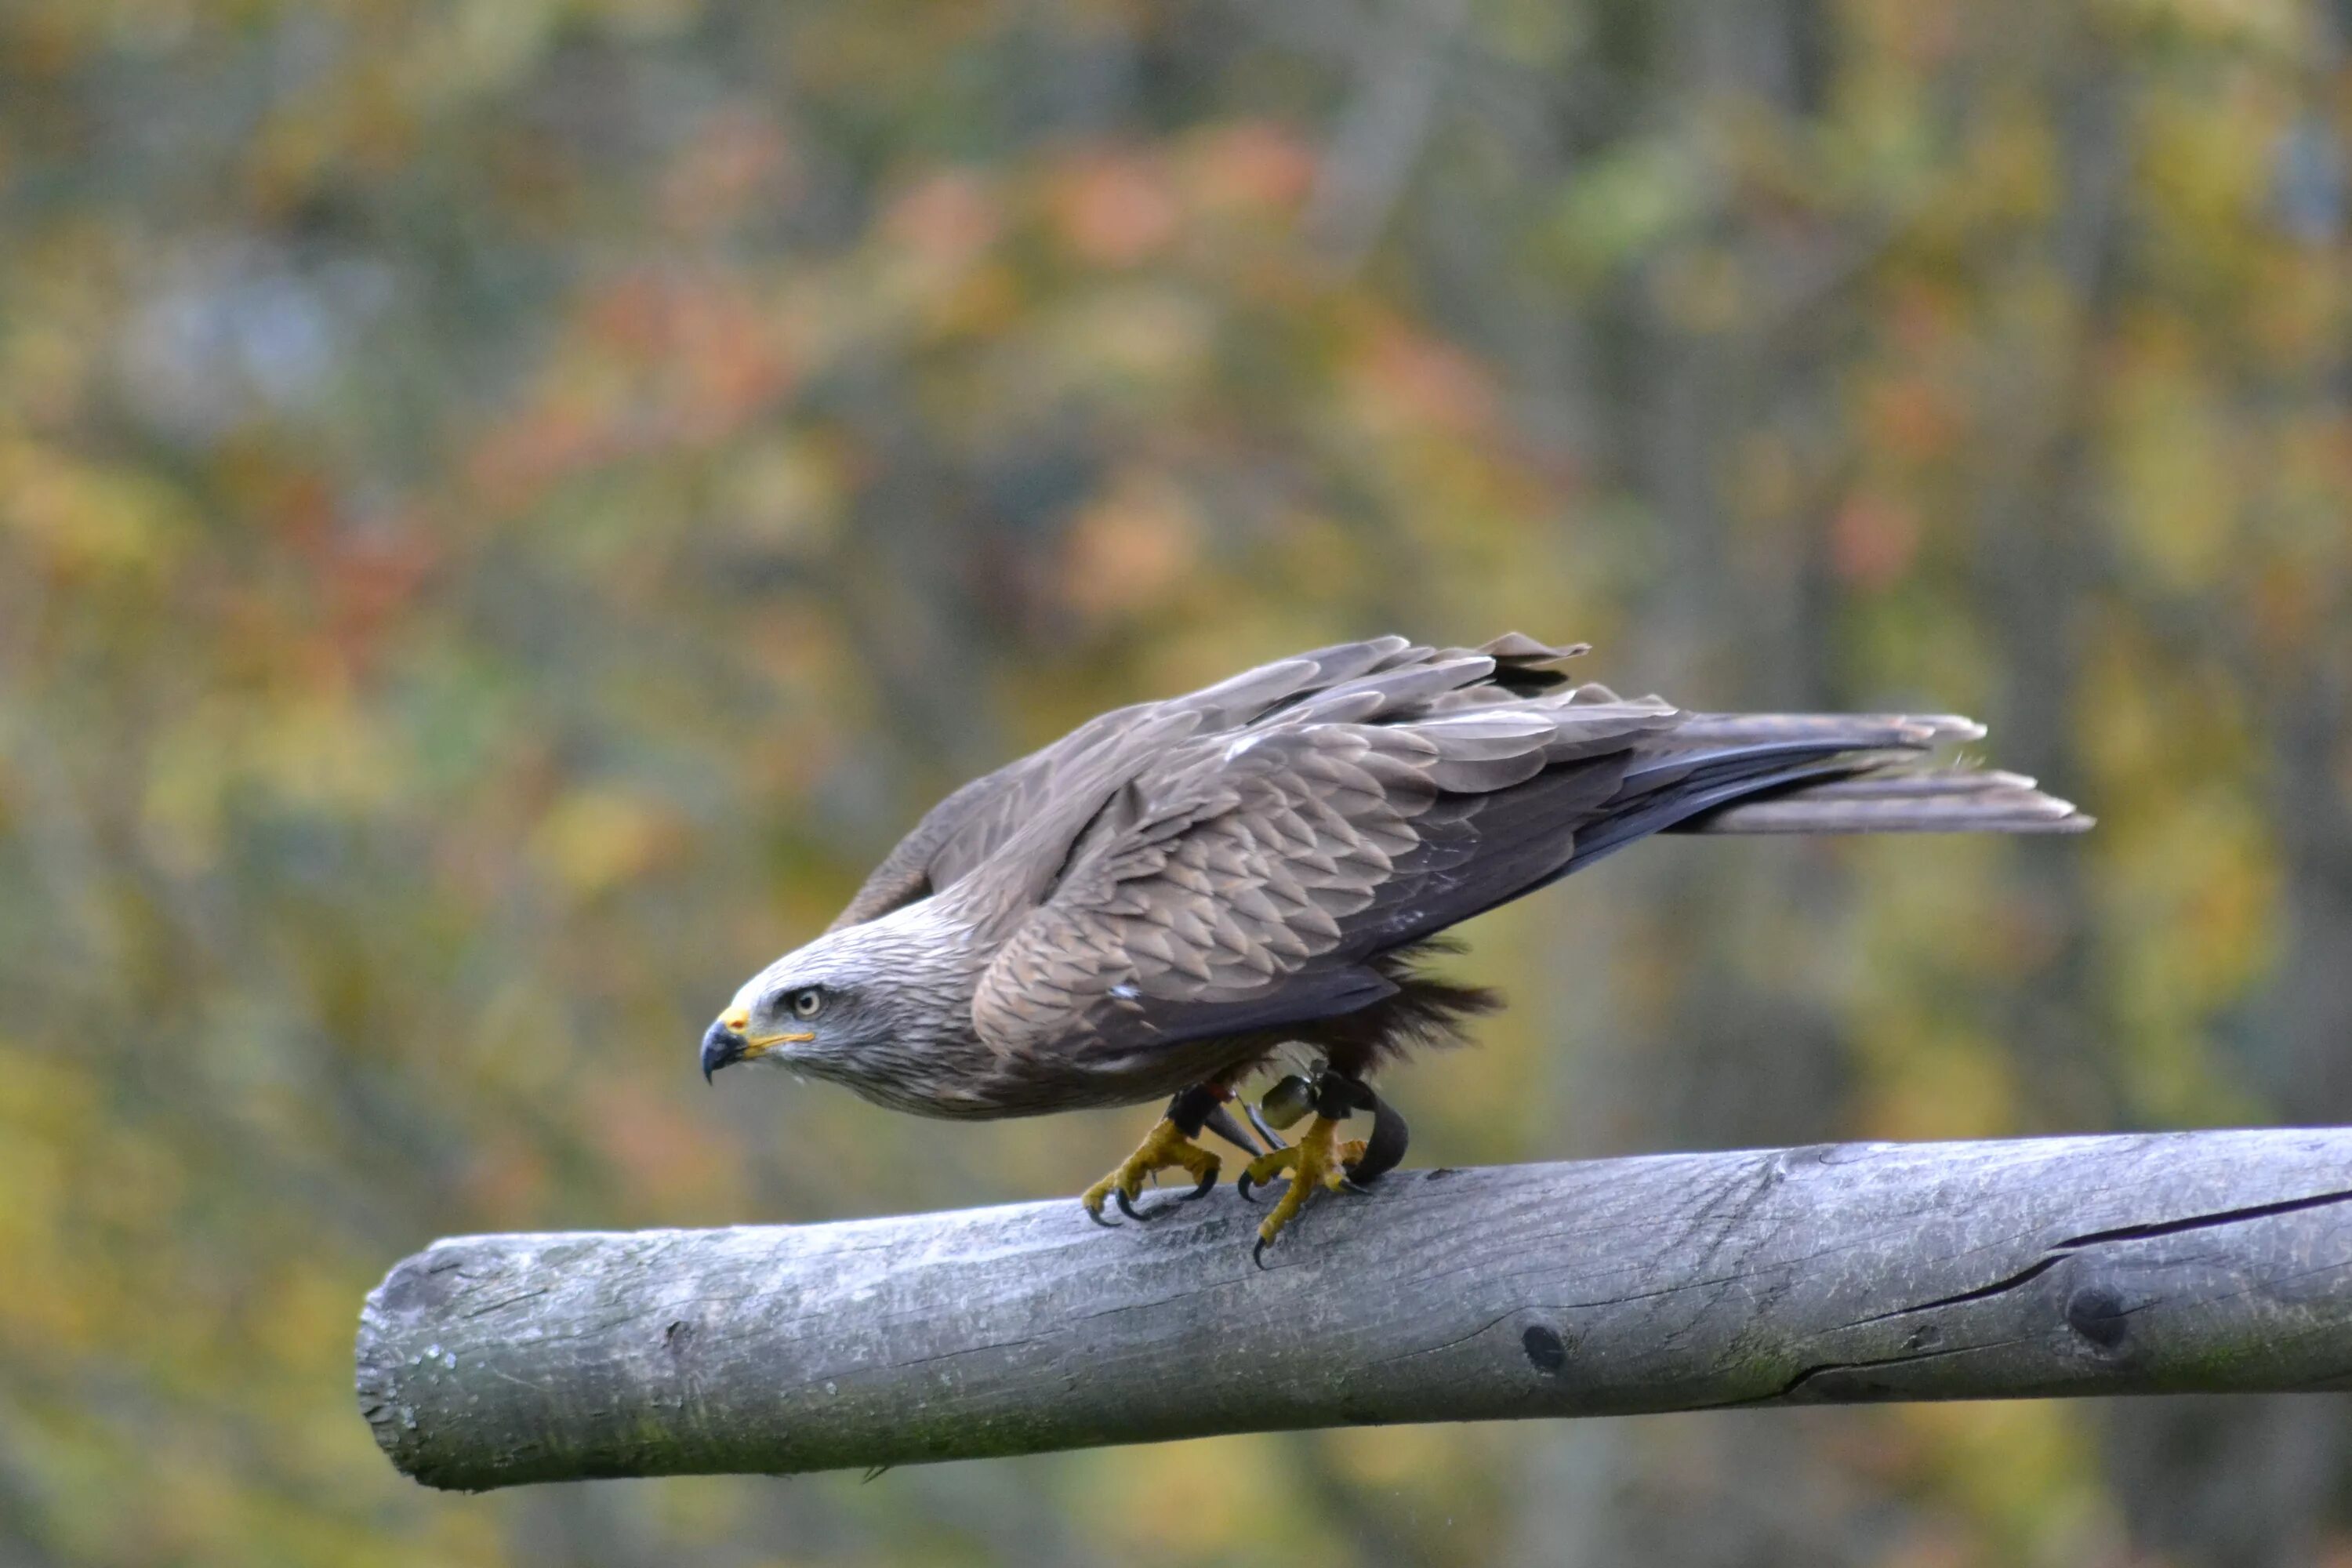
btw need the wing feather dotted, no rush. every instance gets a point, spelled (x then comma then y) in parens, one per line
(1043, 800)
(1241, 887)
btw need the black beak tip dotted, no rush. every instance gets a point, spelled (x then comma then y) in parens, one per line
(720, 1047)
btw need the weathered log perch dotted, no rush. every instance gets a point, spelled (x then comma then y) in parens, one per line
(2066, 1265)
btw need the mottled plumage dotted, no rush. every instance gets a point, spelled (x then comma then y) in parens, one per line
(1174, 890)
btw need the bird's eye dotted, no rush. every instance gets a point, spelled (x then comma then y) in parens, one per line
(806, 1004)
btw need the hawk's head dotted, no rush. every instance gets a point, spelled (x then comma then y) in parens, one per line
(853, 1003)
(773, 1023)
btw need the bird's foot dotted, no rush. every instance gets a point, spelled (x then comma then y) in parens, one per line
(1317, 1162)
(1322, 1161)
(1167, 1147)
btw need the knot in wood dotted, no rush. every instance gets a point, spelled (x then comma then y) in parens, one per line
(1546, 1349)
(2096, 1311)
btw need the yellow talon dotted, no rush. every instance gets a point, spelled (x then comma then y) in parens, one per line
(1319, 1161)
(1164, 1148)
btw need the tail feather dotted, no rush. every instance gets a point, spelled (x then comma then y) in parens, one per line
(1842, 730)
(1949, 800)
(1915, 782)
(1819, 772)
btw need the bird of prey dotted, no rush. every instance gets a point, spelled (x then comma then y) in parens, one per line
(1166, 899)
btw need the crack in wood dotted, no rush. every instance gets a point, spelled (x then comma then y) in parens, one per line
(1787, 1391)
(2073, 1245)
(2206, 1221)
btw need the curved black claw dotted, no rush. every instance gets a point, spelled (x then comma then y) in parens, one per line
(1162, 1210)
(1243, 1184)
(1096, 1215)
(1258, 1253)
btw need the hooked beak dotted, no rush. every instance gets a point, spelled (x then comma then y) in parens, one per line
(721, 1047)
(724, 1043)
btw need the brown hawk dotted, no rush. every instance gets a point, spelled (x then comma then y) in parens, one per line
(1161, 900)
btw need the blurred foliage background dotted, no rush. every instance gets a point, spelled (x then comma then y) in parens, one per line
(507, 506)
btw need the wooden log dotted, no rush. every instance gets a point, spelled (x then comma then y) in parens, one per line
(2191, 1261)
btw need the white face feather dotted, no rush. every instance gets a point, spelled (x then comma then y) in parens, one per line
(899, 982)
(916, 937)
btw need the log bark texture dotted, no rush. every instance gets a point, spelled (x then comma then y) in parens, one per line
(2212, 1261)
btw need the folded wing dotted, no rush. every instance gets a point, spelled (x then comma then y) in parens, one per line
(1246, 881)
(1036, 807)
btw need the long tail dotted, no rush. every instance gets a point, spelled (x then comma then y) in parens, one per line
(1882, 790)
(1943, 800)
(1815, 772)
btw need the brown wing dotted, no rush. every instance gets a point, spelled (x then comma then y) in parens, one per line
(1243, 881)
(1038, 805)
